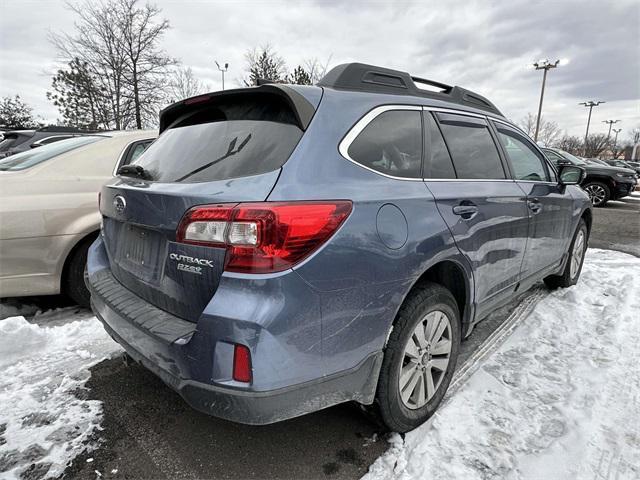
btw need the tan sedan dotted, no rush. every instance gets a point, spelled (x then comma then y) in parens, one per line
(49, 210)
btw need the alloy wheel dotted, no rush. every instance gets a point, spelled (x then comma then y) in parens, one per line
(577, 254)
(596, 194)
(425, 361)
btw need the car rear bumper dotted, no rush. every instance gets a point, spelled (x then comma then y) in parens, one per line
(191, 358)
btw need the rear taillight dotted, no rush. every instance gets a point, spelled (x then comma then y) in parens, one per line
(263, 237)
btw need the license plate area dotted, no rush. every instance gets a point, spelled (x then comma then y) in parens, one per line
(137, 250)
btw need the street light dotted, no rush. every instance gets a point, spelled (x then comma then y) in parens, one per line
(615, 141)
(222, 70)
(545, 65)
(610, 122)
(589, 104)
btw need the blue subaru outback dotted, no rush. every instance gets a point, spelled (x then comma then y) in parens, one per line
(281, 249)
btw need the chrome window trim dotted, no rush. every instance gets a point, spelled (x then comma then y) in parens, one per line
(40, 143)
(468, 180)
(360, 125)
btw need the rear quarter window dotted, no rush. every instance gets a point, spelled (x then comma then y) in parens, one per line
(227, 140)
(391, 144)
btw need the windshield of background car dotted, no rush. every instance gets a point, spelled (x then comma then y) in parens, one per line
(573, 159)
(24, 160)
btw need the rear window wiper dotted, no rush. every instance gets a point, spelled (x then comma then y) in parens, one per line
(134, 171)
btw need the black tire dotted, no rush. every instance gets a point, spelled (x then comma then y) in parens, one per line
(73, 280)
(566, 279)
(602, 196)
(390, 408)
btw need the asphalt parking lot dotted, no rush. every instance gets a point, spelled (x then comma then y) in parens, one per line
(149, 432)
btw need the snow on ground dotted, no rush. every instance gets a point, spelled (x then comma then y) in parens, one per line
(559, 399)
(43, 422)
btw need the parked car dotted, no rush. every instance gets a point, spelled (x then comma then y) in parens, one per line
(49, 211)
(602, 183)
(596, 161)
(624, 164)
(16, 141)
(281, 249)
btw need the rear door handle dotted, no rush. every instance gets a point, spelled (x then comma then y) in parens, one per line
(465, 211)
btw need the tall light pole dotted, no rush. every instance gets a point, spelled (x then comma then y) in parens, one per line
(222, 70)
(545, 65)
(589, 104)
(615, 142)
(610, 122)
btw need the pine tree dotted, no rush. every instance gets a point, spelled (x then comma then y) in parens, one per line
(299, 76)
(14, 113)
(78, 97)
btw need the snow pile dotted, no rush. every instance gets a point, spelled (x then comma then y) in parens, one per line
(559, 399)
(43, 424)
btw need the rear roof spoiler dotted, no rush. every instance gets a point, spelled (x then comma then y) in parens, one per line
(301, 107)
(369, 78)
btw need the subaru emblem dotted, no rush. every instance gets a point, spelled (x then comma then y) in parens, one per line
(119, 203)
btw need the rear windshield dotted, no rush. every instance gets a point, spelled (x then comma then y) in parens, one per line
(12, 139)
(226, 140)
(21, 161)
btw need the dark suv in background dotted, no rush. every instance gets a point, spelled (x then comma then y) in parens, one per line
(16, 141)
(602, 183)
(280, 249)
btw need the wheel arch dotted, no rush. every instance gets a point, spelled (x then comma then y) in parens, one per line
(91, 236)
(453, 276)
(599, 178)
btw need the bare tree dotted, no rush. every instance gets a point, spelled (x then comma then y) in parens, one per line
(183, 84)
(596, 145)
(316, 69)
(147, 65)
(570, 143)
(118, 43)
(548, 133)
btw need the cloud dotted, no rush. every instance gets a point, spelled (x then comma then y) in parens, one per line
(483, 46)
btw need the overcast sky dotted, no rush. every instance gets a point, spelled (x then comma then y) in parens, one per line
(483, 46)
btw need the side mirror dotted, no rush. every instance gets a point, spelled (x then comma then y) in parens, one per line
(571, 175)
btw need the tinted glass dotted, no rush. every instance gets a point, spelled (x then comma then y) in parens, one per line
(437, 162)
(223, 141)
(137, 150)
(527, 163)
(46, 141)
(391, 144)
(21, 161)
(474, 153)
(553, 156)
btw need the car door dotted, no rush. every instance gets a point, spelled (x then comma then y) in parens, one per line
(549, 204)
(485, 210)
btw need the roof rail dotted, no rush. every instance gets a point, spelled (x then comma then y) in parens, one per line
(369, 78)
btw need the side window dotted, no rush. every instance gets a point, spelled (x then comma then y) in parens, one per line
(437, 162)
(472, 148)
(391, 144)
(553, 156)
(134, 150)
(527, 163)
(137, 150)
